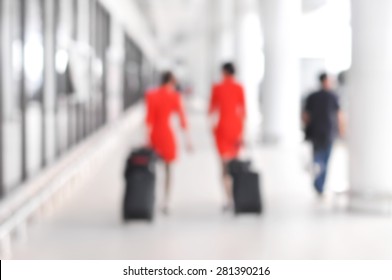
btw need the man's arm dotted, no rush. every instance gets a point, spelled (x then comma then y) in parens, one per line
(305, 112)
(340, 118)
(305, 118)
(341, 123)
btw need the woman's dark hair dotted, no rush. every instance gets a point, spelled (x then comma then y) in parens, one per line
(167, 77)
(228, 68)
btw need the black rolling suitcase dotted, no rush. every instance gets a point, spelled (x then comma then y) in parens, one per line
(246, 188)
(140, 177)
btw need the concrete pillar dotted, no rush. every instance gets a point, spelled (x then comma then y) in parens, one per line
(281, 86)
(370, 105)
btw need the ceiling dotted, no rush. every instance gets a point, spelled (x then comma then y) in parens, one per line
(173, 21)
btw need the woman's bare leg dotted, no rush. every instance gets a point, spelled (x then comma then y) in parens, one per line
(227, 184)
(167, 187)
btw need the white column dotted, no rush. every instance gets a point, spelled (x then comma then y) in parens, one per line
(281, 86)
(199, 67)
(237, 34)
(370, 106)
(225, 31)
(214, 12)
(199, 59)
(248, 51)
(203, 52)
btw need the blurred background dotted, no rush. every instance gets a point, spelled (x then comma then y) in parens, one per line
(72, 78)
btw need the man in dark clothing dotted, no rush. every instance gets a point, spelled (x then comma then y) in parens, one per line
(324, 121)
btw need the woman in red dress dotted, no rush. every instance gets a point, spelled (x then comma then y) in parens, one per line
(228, 102)
(162, 103)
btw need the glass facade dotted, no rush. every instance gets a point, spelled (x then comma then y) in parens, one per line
(32, 85)
(56, 79)
(132, 73)
(1, 100)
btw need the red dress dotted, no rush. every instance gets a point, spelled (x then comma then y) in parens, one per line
(161, 104)
(227, 99)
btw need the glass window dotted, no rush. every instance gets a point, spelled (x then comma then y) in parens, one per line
(132, 73)
(12, 152)
(101, 46)
(33, 67)
(65, 109)
(1, 100)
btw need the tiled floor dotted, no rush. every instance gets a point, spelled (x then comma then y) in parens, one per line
(295, 225)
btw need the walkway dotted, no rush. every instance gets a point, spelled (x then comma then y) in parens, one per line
(296, 225)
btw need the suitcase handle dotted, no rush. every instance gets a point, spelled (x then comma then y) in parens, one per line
(140, 161)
